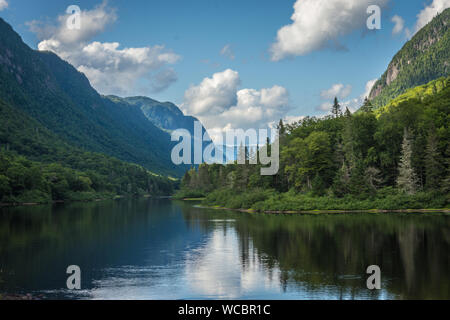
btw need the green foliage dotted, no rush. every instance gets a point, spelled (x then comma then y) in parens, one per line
(407, 179)
(351, 162)
(25, 181)
(57, 102)
(422, 59)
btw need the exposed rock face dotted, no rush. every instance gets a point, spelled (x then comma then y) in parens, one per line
(376, 91)
(392, 74)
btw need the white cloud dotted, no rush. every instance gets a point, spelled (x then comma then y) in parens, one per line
(325, 106)
(320, 23)
(369, 86)
(399, 24)
(291, 119)
(356, 103)
(218, 103)
(228, 52)
(429, 12)
(342, 92)
(338, 90)
(3, 4)
(213, 95)
(110, 68)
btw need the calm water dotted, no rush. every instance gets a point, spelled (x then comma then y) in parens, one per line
(162, 249)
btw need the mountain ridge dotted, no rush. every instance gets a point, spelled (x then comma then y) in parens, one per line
(61, 98)
(424, 58)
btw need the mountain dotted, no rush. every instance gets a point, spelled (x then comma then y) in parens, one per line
(61, 100)
(424, 58)
(164, 115)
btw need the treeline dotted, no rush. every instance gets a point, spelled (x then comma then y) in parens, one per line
(37, 166)
(25, 181)
(392, 160)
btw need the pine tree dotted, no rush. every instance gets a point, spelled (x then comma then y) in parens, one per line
(407, 178)
(341, 183)
(433, 165)
(367, 106)
(281, 128)
(348, 142)
(347, 112)
(373, 178)
(336, 110)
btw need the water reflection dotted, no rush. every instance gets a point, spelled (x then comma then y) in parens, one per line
(159, 249)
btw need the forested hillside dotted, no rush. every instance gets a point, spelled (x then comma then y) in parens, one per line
(424, 58)
(61, 99)
(395, 159)
(61, 140)
(53, 170)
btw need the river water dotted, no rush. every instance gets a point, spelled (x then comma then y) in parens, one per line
(164, 249)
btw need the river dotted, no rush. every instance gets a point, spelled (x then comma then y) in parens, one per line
(164, 249)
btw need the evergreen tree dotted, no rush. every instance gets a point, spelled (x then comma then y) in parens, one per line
(433, 166)
(281, 128)
(367, 106)
(359, 186)
(341, 183)
(336, 110)
(407, 179)
(347, 112)
(348, 142)
(186, 180)
(373, 178)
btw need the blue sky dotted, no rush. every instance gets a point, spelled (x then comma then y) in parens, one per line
(195, 32)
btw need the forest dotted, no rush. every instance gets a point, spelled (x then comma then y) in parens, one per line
(396, 157)
(26, 181)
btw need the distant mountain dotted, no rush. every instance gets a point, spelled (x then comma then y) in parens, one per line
(424, 58)
(164, 115)
(54, 94)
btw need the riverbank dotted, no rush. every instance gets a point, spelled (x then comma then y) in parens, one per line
(445, 210)
(386, 200)
(115, 197)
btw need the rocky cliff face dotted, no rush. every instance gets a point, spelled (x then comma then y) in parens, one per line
(422, 59)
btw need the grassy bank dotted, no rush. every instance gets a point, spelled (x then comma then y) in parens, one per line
(189, 195)
(271, 201)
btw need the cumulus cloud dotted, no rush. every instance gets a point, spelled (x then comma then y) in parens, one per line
(355, 103)
(213, 95)
(325, 106)
(338, 90)
(227, 51)
(3, 4)
(110, 68)
(317, 24)
(399, 24)
(369, 86)
(429, 12)
(220, 105)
